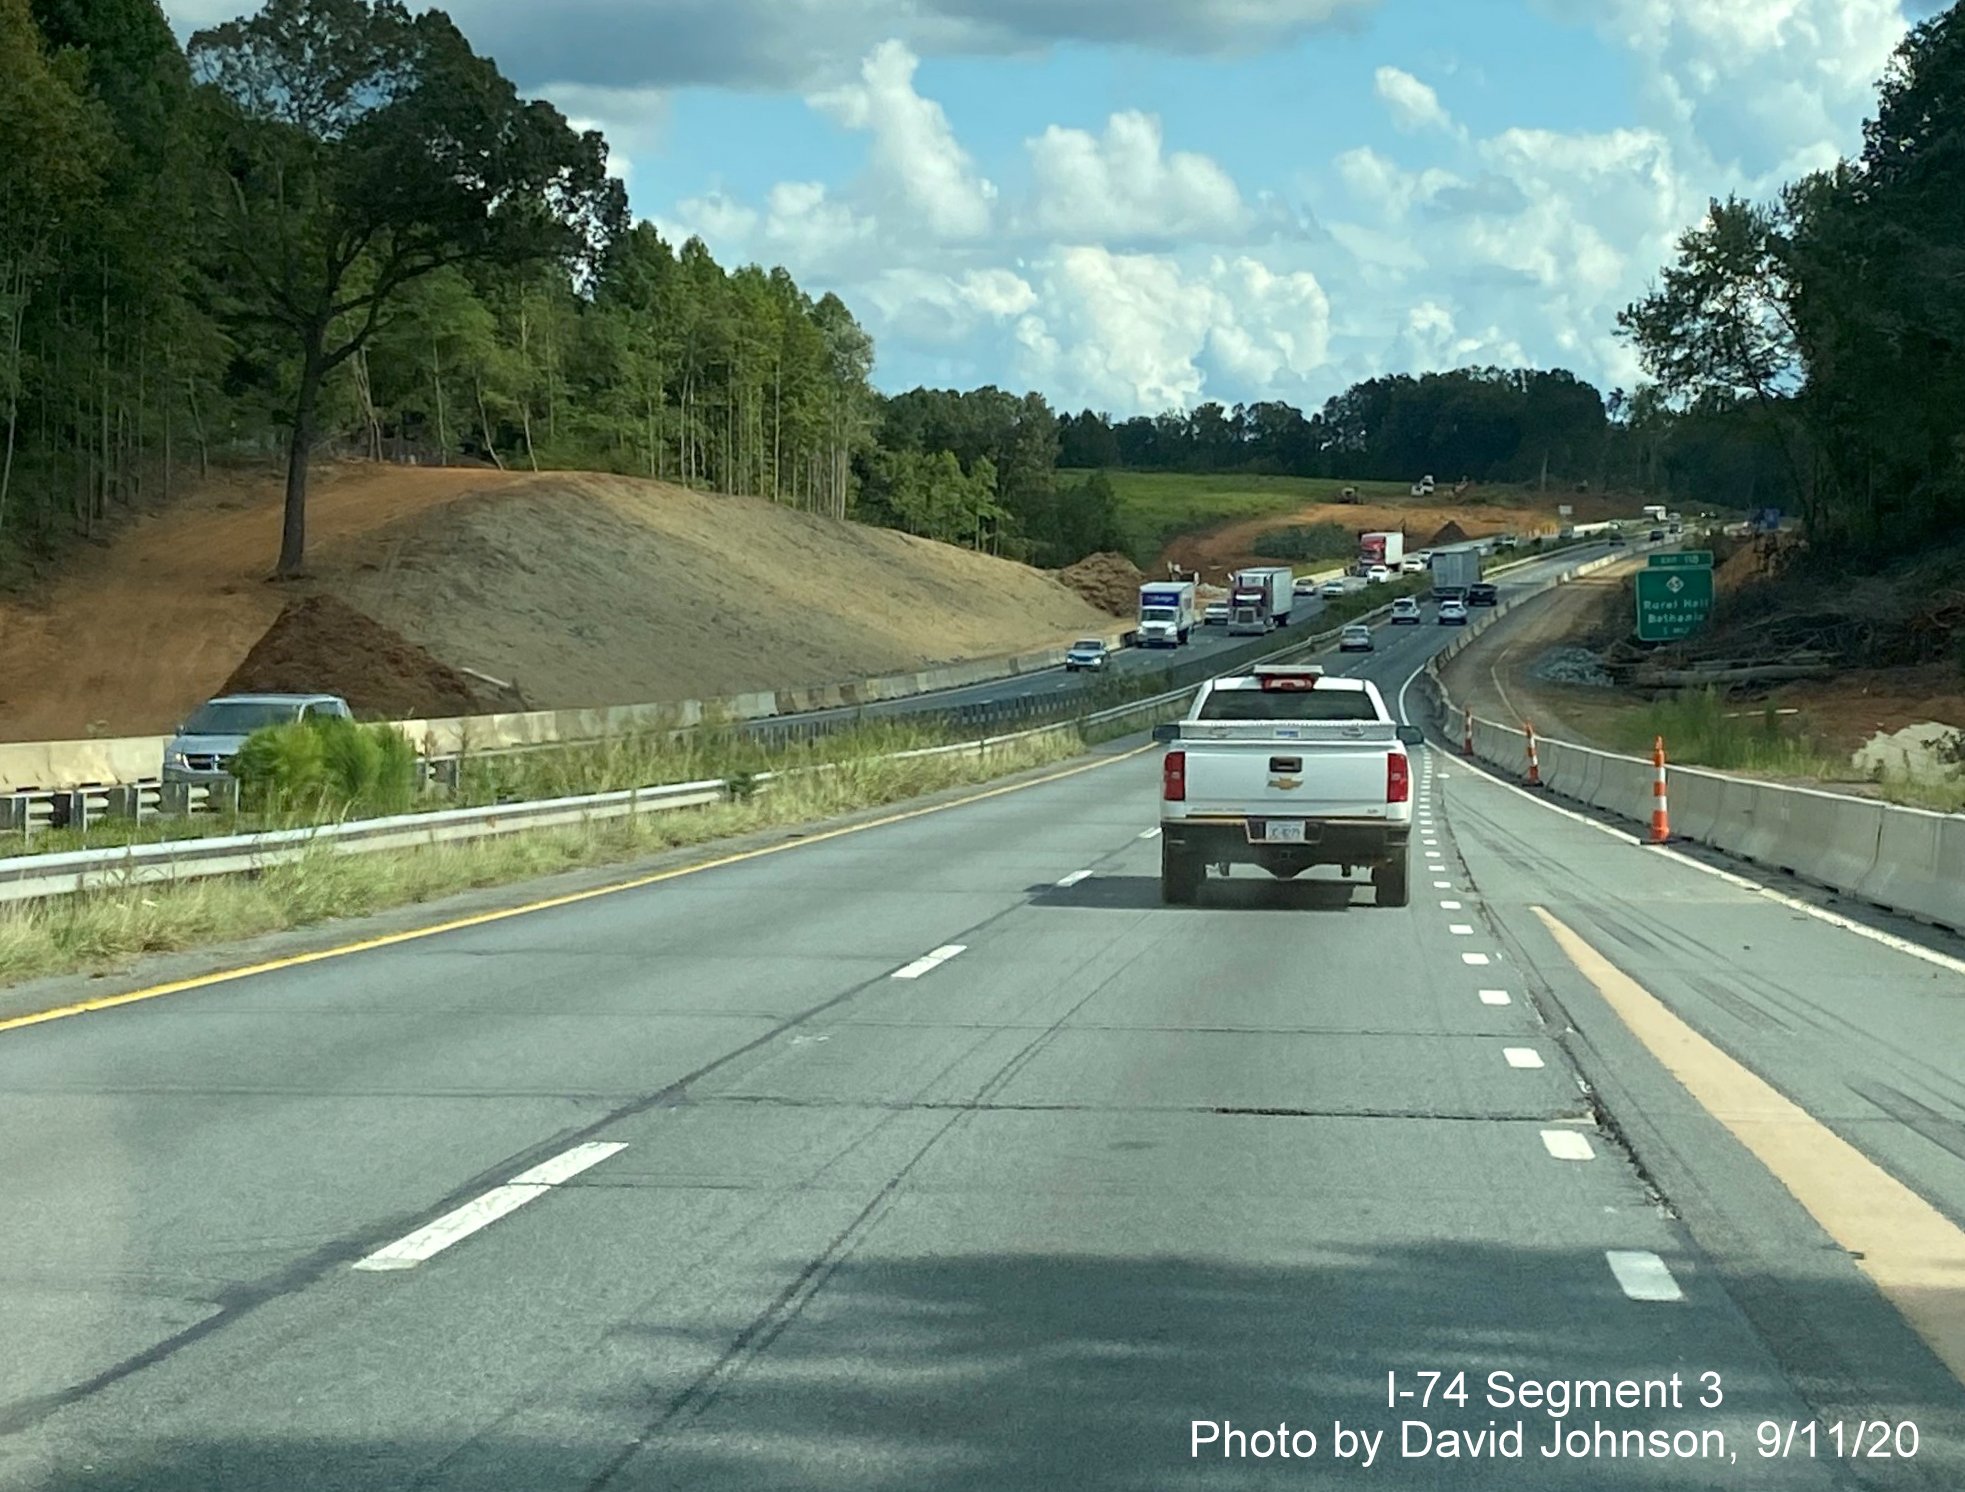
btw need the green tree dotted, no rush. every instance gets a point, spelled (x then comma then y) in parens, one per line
(54, 145)
(358, 148)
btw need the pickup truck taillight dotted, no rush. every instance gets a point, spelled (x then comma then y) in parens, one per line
(1173, 777)
(1398, 778)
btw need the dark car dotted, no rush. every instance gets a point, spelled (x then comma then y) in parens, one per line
(1482, 593)
(1657, 536)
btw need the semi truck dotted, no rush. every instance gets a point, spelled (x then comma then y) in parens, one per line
(1259, 600)
(1454, 569)
(1166, 613)
(1381, 548)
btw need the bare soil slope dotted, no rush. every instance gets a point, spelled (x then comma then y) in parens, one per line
(582, 589)
(131, 637)
(1229, 547)
(586, 589)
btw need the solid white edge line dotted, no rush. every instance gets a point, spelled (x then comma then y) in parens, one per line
(1075, 877)
(1745, 883)
(1642, 1275)
(1494, 997)
(1567, 1144)
(569, 1163)
(1524, 1057)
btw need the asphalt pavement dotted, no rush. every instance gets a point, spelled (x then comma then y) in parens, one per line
(940, 1154)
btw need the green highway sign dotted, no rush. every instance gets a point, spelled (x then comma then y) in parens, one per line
(1672, 602)
(1682, 559)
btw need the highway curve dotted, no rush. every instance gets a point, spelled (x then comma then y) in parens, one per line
(939, 1154)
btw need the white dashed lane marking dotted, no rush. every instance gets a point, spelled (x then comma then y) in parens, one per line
(1567, 1144)
(927, 961)
(1525, 1057)
(482, 1211)
(1494, 997)
(1449, 906)
(1461, 929)
(1476, 959)
(1643, 1275)
(1075, 877)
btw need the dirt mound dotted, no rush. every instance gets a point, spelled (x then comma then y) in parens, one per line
(1108, 581)
(585, 589)
(1449, 533)
(322, 643)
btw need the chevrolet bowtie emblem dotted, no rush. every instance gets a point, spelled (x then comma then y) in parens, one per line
(1287, 784)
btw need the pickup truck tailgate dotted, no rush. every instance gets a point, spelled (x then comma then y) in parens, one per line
(1304, 770)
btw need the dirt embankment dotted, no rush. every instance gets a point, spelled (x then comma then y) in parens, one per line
(581, 589)
(1230, 546)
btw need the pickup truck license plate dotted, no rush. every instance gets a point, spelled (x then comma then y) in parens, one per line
(1279, 831)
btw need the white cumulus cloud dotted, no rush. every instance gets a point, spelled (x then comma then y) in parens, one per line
(1412, 104)
(1123, 185)
(917, 163)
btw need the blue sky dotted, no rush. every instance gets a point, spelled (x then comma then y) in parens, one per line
(1132, 204)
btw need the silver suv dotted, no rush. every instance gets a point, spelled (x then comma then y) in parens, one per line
(203, 748)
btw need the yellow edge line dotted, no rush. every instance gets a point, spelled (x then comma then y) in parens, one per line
(479, 919)
(1912, 1252)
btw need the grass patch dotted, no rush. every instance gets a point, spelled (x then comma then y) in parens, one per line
(97, 930)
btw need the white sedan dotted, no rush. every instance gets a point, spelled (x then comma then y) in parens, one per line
(1378, 575)
(1453, 614)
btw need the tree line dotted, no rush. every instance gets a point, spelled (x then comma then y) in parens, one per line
(1826, 329)
(332, 226)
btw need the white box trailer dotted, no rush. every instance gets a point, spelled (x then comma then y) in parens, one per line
(1166, 613)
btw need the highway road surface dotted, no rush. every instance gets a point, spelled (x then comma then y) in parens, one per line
(1048, 683)
(939, 1154)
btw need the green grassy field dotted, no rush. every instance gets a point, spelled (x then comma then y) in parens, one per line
(1154, 506)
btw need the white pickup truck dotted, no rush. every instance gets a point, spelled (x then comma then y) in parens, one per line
(1285, 768)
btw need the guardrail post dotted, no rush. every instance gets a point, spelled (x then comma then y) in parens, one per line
(1661, 823)
(123, 802)
(1534, 766)
(1467, 737)
(15, 811)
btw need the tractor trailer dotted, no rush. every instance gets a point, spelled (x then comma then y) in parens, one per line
(1259, 600)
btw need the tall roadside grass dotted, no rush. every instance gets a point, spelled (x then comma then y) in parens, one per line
(98, 930)
(1700, 730)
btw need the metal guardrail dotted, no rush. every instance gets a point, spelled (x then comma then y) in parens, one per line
(32, 877)
(38, 877)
